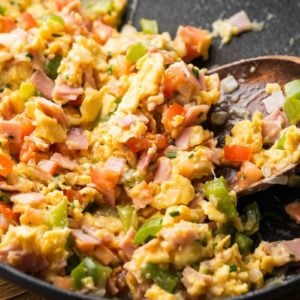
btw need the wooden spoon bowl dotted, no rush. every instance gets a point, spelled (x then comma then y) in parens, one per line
(252, 75)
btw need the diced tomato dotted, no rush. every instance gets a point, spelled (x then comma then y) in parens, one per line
(28, 151)
(8, 213)
(102, 32)
(104, 179)
(137, 144)
(26, 127)
(72, 195)
(197, 41)
(6, 24)
(161, 141)
(6, 165)
(48, 166)
(173, 110)
(174, 76)
(237, 153)
(27, 21)
(60, 4)
(248, 174)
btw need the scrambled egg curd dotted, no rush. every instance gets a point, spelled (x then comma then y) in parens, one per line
(107, 176)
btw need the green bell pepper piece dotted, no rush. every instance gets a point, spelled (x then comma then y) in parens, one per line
(292, 88)
(217, 192)
(148, 230)
(149, 26)
(58, 215)
(99, 6)
(244, 243)
(251, 219)
(166, 279)
(137, 51)
(280, 142)
(291, 107)
(90, 268)
(52, 65)
(128, 216)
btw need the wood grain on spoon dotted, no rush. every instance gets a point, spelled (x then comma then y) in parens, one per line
(252, 75)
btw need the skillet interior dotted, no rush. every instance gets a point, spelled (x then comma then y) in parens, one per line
(281, 25)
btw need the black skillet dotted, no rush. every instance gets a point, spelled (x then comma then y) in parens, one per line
(280, 36)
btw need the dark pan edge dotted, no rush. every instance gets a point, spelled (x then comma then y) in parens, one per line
(49, 291)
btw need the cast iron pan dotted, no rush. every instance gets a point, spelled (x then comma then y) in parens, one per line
(280, 36)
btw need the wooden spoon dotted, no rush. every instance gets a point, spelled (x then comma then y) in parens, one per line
(252, 75)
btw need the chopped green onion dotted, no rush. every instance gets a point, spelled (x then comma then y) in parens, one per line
(90, 268)
(52, 65)
(171, 154)
(128, 216)
(291, 107)
(281, 141)
(196, 72)
(232, 268)
(217, 192)
(136, 52)
(2, 10)
(244, 243)
(148, 230)
(54, 18)
(109, 70)
(292, 89)
(29, 55)
(149, 26)
(174, 213)
(168, 280)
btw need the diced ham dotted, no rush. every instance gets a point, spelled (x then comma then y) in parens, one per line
(76, 139)
(12, 129)
(63, 162)
(115, 164)
(190, 278)
(89, 78)
(40, 144)
(48, 166)
(164, 170)
(193, 113)
(127, 244)
(141, 195)
(182, 142)
(293, 210)
(53, 110)
(288, 249)
(274, 101)
(128, 120)
(241, 21)
(181, 233)
(65, 93)
(43, 83)
(273, 125)
(27, 198)
(277, 115)
(144, 161)
(104, 255)
(271, 131)
(83, 241)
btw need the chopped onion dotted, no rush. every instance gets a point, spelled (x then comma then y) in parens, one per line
(274, 101)
(229, 84)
